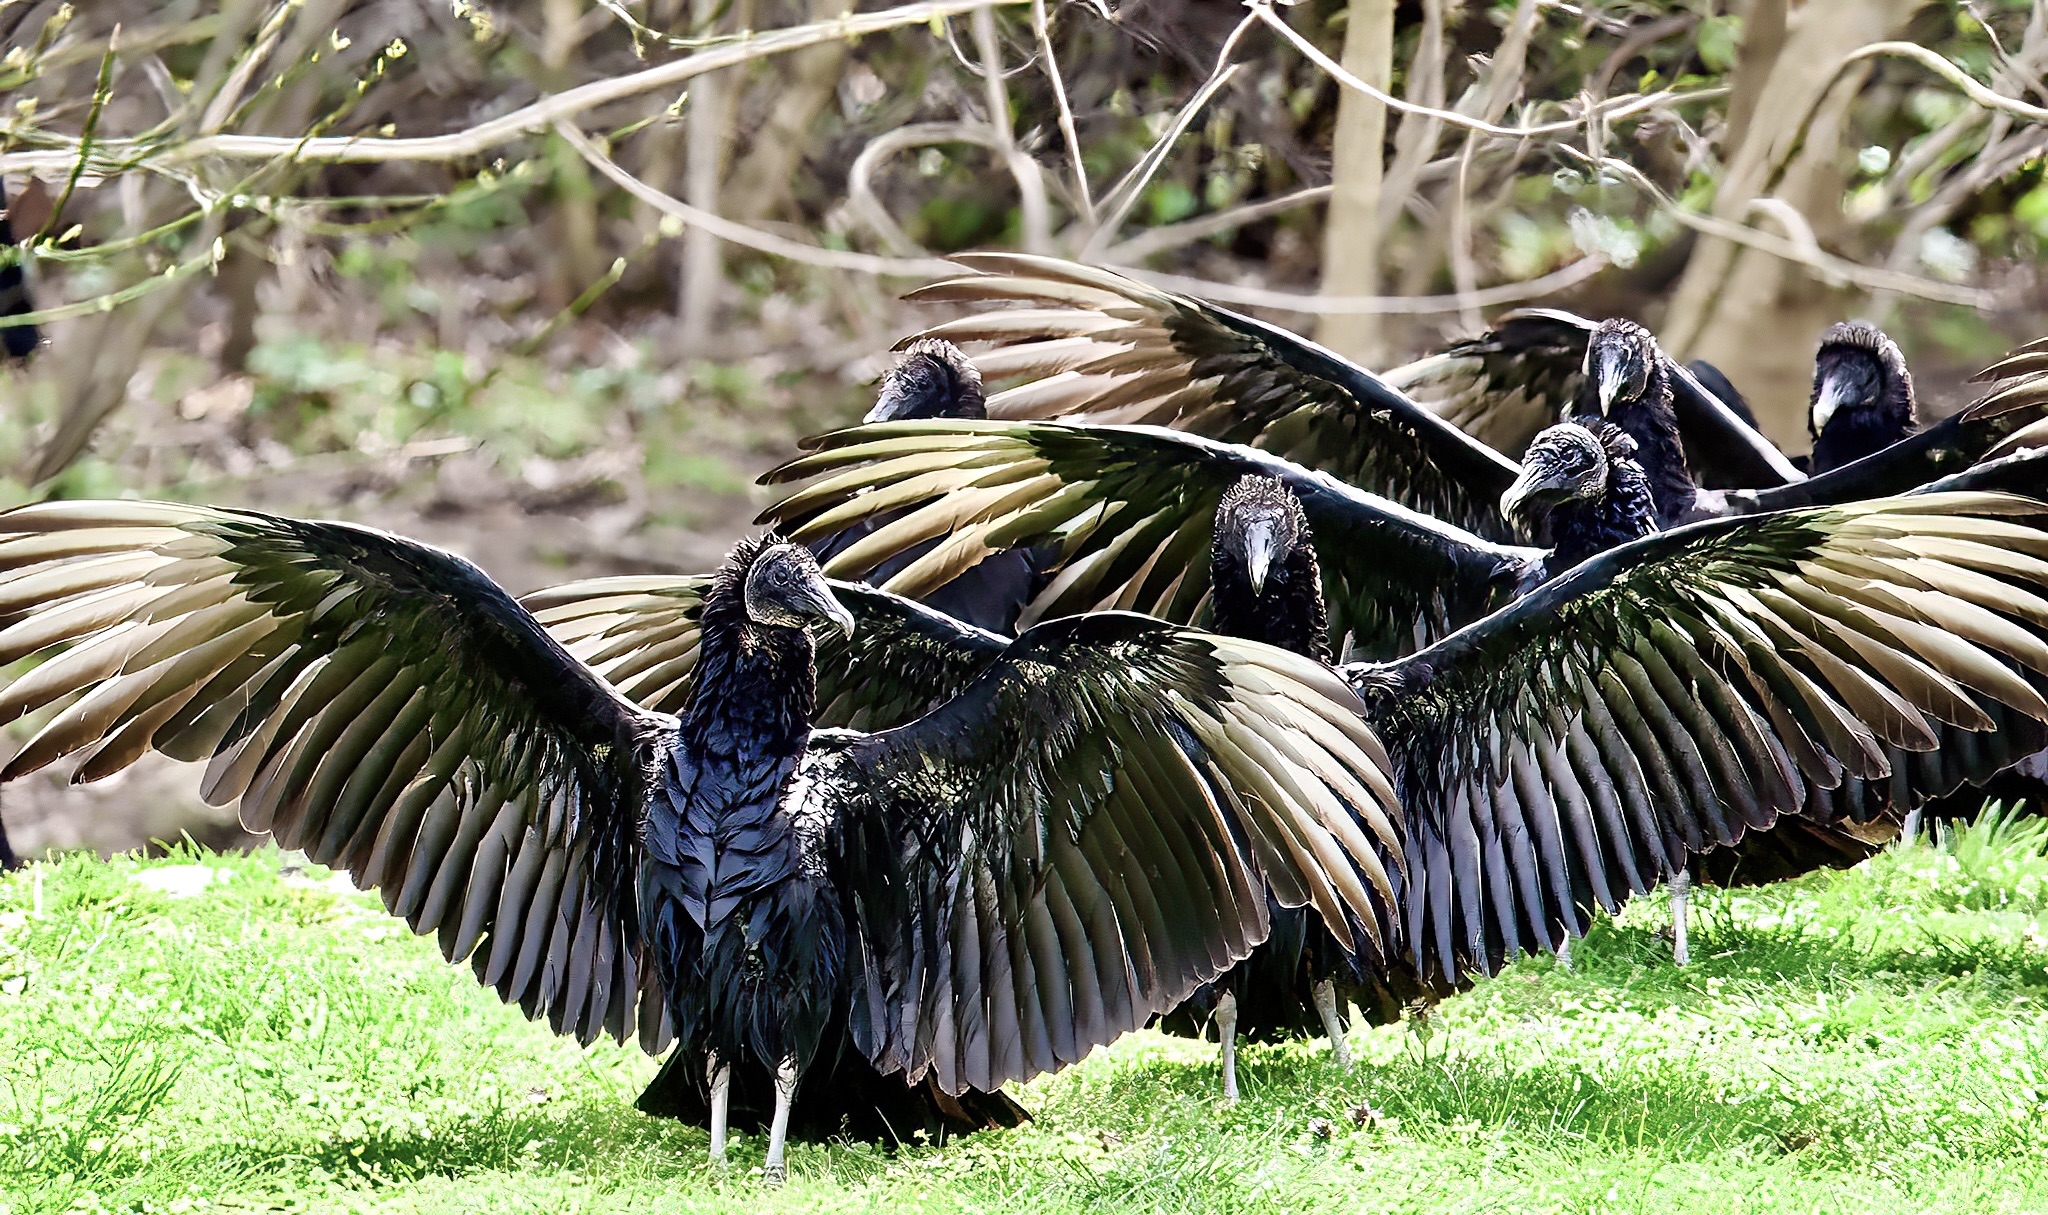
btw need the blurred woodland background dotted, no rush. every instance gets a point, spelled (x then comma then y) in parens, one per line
(550, 281)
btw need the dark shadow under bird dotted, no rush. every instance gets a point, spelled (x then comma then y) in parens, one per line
(1043, 861)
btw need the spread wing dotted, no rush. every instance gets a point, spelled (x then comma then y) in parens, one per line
(640, 633)
(1094, 346)
(1126, 513)
(1086, 833)
(381, 704)
(1525, 373)
(1692, 686)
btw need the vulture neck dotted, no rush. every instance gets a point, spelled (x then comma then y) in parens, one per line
(1583, 529)
(1289, 611)
(1650, 420)
(1864, 430)
(756, 684)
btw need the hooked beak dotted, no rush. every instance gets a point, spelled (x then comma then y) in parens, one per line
(818, 597)
(1833, 395)
(1609, 381)
(1259, 546)
(1529, 489)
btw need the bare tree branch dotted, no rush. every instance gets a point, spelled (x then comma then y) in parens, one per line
(741, 234)
(114, 155)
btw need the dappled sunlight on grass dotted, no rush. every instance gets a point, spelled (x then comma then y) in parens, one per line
(241, 1032)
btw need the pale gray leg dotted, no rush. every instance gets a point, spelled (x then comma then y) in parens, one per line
(1910, 832)
(1325, 995)
(1681, 896)
(1226, 1033)
(1564, 951)
(721, 1095)
(772, 1171)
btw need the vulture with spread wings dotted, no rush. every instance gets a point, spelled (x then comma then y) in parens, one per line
(1083, 834)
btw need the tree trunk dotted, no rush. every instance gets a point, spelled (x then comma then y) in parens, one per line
(1756, 316)
(708, 133)
(1351, 245)
(760, 184)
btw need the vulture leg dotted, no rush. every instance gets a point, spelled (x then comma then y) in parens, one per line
(772, 1170)
(1564, 951)
(720, 1079)
(1681, 893)
(1226, 1033)
(1325, 995)
(1910, 830)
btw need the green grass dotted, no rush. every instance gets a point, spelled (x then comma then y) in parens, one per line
(1868, 1041)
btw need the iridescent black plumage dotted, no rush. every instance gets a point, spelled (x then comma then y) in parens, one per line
(1862, 397)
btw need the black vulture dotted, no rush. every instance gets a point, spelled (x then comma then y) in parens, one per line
(1862, 398)
(933, 379)
(1583, 492)
(1092, 345)
(1682, 692)
(1268, 587)
(1070, 845)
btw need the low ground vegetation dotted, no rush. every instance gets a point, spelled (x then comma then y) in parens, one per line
(206, 1032)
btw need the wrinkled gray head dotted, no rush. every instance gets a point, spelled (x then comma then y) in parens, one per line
(1619, 358)
(933, 379)
(1567, 462)
(1859, 368)
(1259, 521)
(785, 588)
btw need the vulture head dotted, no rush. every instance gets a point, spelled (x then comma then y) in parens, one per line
(1259, 522)
(1263, 572)
(1567, 462)
(785, 589)
(1860, 379)
(932, 380)
(1621, 358)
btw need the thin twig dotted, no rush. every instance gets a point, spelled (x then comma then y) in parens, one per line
(1942, 67)
(1173, 236)
(1832, 269)
(1613, 110)
(861, 201)
(1083, 201)
(1117, 206)
(1035, 213)
(102, 92)
(742, 235)
(350, 149)
(1383, 305)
